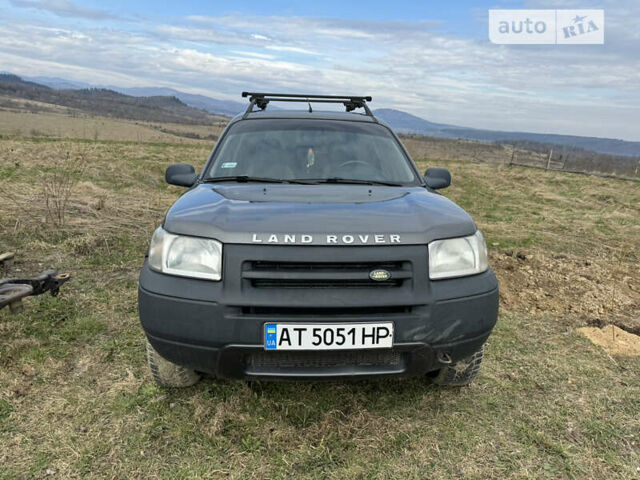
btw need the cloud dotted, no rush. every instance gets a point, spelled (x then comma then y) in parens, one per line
(64, 8)
(284, 48)
(263, 56)
(206, 35)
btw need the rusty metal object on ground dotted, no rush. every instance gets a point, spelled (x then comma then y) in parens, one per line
(12, 295)
(13, 290)
(6, 258)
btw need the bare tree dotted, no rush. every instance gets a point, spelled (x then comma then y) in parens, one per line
(58, 186)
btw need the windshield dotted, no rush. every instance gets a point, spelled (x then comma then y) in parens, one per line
(315, 150)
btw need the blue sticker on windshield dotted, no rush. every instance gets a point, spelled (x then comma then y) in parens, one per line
(270, 336)
(229, 165)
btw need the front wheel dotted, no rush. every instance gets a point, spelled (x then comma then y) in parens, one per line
(461, 373)
(168, 374)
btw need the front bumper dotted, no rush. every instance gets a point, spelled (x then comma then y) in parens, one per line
(217, 327)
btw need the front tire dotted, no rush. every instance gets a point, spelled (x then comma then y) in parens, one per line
(168, 374)
(461, 373)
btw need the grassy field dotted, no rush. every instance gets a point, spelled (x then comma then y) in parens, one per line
(56, 123)
(77, 400)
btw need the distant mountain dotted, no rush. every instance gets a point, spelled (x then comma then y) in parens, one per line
(406, 123)
(101, 101)
(15, 82)
(609, 146)
(58, 83)
(403, 122)
(211, 105)
(228, 108)
(221, 107)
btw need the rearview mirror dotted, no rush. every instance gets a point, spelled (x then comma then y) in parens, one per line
(437, 178)
(181, 174)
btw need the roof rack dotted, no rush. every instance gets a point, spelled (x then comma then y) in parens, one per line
(261, 100)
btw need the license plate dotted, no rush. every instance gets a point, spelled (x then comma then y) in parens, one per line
(327, 336)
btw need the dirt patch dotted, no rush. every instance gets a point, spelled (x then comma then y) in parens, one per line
(598, 292)
(613, 339)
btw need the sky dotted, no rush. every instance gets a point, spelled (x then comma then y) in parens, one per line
(431, 58)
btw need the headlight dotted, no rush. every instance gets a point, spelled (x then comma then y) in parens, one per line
(458, 257)
(185, 256)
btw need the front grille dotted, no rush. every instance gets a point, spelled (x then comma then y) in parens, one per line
(323, 360)
(326, 311)
(323, 284)
(265, 274)
(323, 266)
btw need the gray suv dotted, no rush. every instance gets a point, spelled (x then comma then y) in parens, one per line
(311, 247)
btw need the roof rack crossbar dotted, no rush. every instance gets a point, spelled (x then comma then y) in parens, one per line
(305, 96)
(261, 100)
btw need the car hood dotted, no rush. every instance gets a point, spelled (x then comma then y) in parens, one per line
(322, 214)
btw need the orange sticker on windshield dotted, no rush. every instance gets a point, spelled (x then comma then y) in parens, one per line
(311, 157)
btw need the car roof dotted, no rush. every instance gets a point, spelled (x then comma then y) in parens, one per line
(304, 114)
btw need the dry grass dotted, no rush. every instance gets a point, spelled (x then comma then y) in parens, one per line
(60, 125)
(77, 401)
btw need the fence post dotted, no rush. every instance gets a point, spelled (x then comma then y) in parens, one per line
(549, 159)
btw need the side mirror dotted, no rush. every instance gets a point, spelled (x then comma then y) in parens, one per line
(437, 178)
(181, 174)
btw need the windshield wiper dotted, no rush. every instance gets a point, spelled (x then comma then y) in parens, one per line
(350, 181)
(299, 181)
(245, 178)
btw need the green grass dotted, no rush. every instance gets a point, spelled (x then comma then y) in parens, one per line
(521, 208)
(76, 398)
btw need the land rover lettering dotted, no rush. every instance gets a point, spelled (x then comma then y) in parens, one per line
(326, 239)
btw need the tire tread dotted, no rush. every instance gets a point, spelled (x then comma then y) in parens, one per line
(168, 374)
(462, 372)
